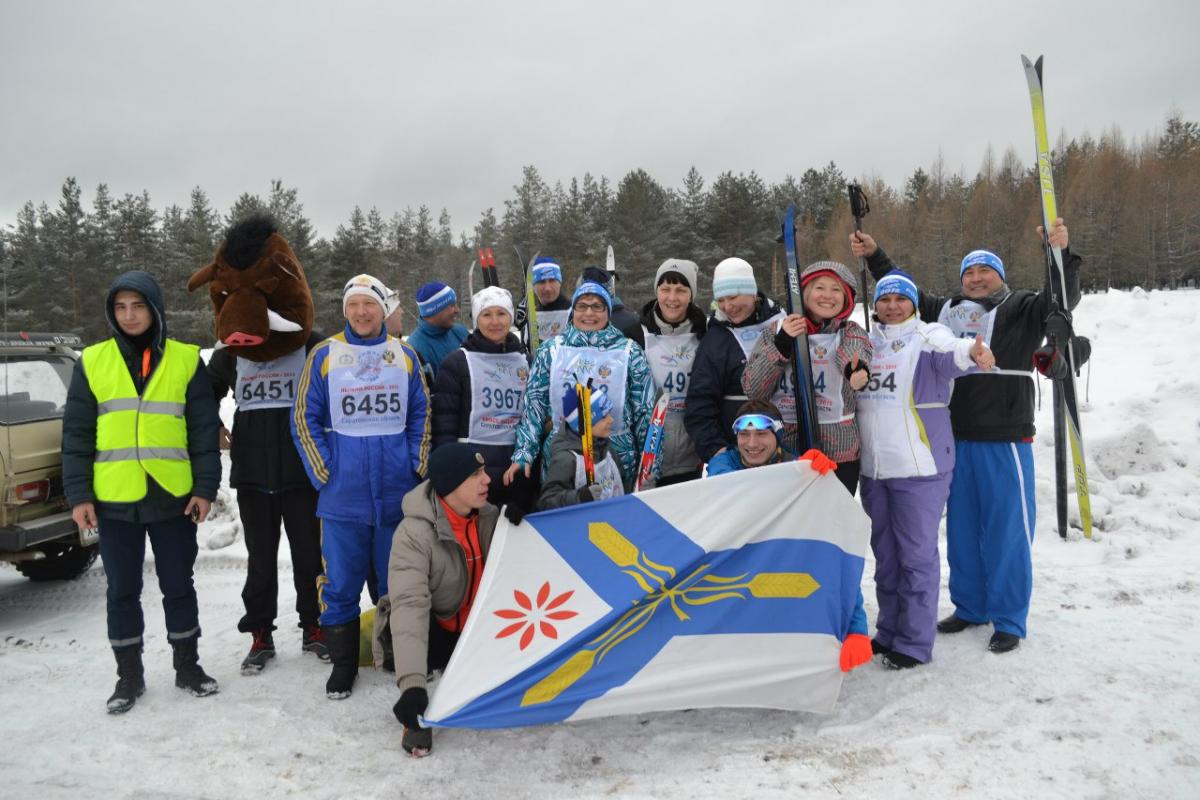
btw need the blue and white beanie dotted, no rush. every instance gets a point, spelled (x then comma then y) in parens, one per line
(434, 297)
(588, 287)
(601, 407)
(897, 282)
(984, 258)
(546, 268)
(368, 286)
(732, 277)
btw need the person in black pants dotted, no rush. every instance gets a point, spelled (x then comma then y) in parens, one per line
(139, 455)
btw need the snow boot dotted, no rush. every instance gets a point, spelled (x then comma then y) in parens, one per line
(953, 624)
(895, 660)
(343, 654)
(314, 642)
(262, 650)
(188, 673)
(1002, 642)
(877, 648)
(131, 683)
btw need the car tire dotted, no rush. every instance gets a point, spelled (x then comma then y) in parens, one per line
(63, 562)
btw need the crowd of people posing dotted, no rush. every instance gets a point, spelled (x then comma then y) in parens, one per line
(405, 451)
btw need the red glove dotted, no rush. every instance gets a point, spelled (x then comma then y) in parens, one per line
(856, 651)
(820, 462)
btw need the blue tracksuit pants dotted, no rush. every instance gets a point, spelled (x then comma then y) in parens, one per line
(990, 518)
(348, 550)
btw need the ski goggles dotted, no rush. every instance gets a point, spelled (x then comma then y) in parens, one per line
(756, 422)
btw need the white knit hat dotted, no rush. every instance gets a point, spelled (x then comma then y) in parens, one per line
(734, 276)
(491, 297)
(368, 286)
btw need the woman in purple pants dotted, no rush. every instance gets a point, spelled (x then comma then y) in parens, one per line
(907, 462)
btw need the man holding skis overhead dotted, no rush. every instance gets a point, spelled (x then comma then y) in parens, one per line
(991, 510)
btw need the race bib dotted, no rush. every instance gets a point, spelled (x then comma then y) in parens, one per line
(608, 368)
(268, 384)
(671, 359)
(827, 378)
(368, 388)
(497, 396)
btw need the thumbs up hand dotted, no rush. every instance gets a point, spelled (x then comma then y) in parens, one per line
(981, 354)
(859, 374)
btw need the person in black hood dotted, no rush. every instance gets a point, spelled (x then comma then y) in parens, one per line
(140, 459)
(670, 330)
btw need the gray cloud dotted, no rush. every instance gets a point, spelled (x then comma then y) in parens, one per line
(393, 104)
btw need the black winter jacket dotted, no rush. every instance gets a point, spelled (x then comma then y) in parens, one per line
(715, 391)
(648, 322)
(997, 408)
(452, 396)
(262, 453)
(79, 421)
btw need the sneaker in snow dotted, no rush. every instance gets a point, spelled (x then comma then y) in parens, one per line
(314, 642)
(262, 650)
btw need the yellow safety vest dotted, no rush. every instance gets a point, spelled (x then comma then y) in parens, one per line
(140, 435)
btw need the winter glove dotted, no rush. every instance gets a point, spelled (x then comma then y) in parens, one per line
(819, 461)
(785, 343)
(856, 651)
(587, 494)
(410, 706)
(514, 513)
(854, 365)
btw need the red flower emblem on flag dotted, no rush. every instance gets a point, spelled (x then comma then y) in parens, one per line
(530, 618)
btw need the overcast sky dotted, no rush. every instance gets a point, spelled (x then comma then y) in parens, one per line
(394, 104)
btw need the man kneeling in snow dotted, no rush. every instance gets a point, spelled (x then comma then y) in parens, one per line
(437, 559)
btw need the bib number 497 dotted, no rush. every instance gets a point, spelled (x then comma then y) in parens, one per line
(371, 404)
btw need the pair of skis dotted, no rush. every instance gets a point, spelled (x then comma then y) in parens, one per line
(583, 392)
(531, 328)
(1065, 398)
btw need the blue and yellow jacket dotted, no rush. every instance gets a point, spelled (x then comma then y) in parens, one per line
(360, 478)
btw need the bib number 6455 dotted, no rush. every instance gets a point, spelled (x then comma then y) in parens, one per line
(371, 404)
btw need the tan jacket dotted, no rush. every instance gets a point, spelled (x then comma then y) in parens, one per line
(427, 569)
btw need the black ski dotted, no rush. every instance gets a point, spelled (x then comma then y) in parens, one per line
(806, 398)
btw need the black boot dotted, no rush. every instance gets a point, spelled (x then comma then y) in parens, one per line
(897, 660)
(953, 624)
(188, 673)
(130, 681)
(343, 653)
(1002, 642)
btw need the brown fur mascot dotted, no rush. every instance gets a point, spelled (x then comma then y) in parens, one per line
(264, 319)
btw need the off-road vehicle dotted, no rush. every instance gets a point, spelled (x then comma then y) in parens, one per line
(37, 533)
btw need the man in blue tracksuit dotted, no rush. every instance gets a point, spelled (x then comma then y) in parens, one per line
(990, 514)
(362, 429)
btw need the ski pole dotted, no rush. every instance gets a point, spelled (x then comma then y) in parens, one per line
(859, 208)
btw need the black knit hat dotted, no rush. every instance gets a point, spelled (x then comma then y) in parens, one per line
(450, 465)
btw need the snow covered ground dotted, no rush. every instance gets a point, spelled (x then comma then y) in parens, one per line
(1102, 699)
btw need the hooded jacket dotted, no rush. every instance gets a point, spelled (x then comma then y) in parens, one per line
(559, 488)
(79, 419)
(427, 571)
(715, 391)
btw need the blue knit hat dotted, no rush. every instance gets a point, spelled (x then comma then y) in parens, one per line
(897, 282)
(984, 258)
(546, 268)
(434, 297)
(588, 287)
(601, 407)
